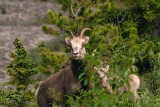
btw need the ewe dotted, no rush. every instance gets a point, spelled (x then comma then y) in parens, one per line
(66, 81)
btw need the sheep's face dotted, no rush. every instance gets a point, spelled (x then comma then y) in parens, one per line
(77, 45)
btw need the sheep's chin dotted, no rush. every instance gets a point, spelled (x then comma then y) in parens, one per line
(77, 58)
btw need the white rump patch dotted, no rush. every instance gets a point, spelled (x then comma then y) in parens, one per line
(36, 92)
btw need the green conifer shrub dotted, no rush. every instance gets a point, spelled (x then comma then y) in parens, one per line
(20, 70)
(21, 67)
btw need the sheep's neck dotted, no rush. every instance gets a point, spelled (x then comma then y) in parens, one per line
(77, 67)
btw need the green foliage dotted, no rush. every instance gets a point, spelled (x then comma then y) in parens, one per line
(15, 98)
(9, 98)
(146, 14)
(49, 30)
(50, 62)
(99, 98)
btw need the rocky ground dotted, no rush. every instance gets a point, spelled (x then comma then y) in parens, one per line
(21, 18)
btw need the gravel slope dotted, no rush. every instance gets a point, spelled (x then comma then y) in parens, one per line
(19, 18)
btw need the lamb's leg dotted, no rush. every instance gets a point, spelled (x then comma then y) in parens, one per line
(135, 96)
(108, 88)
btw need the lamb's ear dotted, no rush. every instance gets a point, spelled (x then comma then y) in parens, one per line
(101, 74)
(95, 69)
(68, 41)
(86, 39)
(106, 69)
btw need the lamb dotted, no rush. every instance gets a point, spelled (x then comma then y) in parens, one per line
(66, 81)
(133, 79)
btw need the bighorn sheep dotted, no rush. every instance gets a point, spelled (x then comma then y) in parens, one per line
(66, 81)
(133, 86)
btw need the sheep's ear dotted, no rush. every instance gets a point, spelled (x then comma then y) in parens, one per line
(86, 39)
(106, 69)
(68, 41)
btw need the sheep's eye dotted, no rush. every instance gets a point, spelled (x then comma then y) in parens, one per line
(83, 43)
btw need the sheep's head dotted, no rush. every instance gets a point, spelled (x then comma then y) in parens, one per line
(77, 44)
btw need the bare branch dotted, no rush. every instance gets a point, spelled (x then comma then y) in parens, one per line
(74, 13)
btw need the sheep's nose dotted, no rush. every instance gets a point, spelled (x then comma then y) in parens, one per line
(76, 53)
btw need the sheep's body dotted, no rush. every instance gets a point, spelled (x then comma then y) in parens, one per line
(65, 82)
(133, 79)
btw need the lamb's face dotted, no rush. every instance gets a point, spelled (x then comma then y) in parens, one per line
(102, 74)
(77, 46)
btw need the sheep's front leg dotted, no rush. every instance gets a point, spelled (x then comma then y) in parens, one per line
(43, 102)
(64, 97)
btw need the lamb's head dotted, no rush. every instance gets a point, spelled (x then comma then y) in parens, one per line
(102, 74)
(77, 44)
